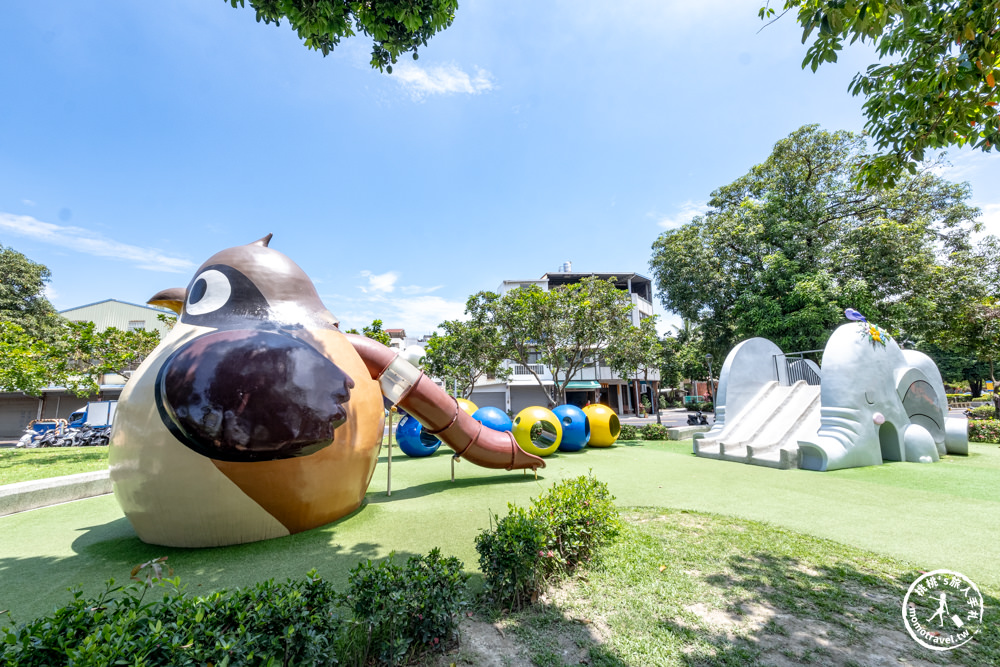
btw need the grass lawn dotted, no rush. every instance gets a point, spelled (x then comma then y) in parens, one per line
(945, 515)
(683, 588)
(24, 465)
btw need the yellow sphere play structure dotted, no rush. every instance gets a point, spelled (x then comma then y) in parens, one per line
(537, 431)
(604, 425)
(467, 405)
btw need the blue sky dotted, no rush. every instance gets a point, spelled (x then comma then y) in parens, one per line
(138, 138)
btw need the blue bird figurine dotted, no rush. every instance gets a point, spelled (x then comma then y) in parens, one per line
(852, 314)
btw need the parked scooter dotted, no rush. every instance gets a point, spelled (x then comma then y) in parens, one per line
(85, 436)
(697, 419)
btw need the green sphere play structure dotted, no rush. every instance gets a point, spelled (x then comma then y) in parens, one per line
(537, 431)
(604, 425)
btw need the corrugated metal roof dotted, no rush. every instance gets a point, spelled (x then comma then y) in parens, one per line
(127, 303)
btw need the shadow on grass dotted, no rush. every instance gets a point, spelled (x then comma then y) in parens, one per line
(428, 488)
(839, 613)
(101, 552)
(694, 589)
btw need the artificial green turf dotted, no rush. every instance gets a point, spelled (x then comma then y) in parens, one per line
(945, 515)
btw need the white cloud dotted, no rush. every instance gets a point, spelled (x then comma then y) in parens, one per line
(441, 80)
(962, 166)
(91, 243)
(418, 315)
(668, 322)
(422, 314)
(688, 211)
(990, 218)
(27, 202)
(409, 307)
(379, 282)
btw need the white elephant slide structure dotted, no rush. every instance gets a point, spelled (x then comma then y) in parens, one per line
(871, 402)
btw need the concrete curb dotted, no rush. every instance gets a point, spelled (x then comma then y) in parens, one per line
(685, 432)
(24, 496)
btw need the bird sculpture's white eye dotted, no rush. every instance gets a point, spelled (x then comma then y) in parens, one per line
(210, 291)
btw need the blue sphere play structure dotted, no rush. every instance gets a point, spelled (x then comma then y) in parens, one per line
(575, 427)
(495, 418)
(413, 440)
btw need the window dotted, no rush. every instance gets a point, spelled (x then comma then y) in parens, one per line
(136, 325)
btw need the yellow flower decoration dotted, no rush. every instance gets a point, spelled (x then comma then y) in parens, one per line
(874, 332)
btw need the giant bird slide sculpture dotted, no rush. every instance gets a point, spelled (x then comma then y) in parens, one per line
(256, 417)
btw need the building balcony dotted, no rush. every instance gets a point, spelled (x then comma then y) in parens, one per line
(599, 373)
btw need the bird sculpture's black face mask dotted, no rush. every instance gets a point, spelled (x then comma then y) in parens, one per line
(252, 390)
(221, 297)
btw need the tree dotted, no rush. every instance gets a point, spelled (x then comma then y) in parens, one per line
(965, 321)
(562, 328)
(395, 26)
(22, 294)
(973, 337)
(683, 356)
(77, 358)
(938, 87)
(25, 361)
(787, 247)
(957, 367)
(38, 348)
(638, 348)
(374, 331)
(464, 354)
(81, 356)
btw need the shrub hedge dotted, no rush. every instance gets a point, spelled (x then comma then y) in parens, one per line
(982, 412)
(986, 430)
(629, 432)
(401, 609)
(295, 623)
(653, 432)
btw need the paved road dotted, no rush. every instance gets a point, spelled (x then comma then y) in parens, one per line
(669, 418)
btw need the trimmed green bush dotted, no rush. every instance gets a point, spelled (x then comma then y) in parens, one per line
(654, 432)
(267, 624)
(578, 516)
(508, 558)
(629, 432)
(982, 412)
(402, 609)
(987, 430)
(295, 623)
(561, 530)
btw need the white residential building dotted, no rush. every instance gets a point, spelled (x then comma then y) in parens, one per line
(595, 383)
